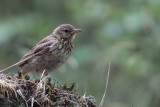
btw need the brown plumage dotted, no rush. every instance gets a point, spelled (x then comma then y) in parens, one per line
(50, 53)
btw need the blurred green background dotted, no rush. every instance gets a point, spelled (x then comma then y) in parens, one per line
(124, 32)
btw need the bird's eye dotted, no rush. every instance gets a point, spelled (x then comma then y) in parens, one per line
(66, 31)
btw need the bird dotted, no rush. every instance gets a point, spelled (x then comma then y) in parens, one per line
(50, 53)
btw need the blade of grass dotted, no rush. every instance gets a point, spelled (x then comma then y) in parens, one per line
(107, 79)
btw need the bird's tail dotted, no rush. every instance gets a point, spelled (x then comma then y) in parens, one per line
(9, 67)
(18, 63)
(22, 61)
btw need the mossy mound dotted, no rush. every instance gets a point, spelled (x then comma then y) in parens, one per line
(26, 92)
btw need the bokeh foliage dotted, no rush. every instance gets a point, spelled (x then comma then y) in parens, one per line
(124, 32)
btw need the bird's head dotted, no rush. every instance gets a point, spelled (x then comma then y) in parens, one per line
(66, 31)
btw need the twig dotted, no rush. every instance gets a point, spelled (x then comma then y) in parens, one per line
(42, 74)
(107, 79)
(32, 101)
(131, 97)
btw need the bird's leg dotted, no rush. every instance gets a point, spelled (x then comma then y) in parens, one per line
(37, 71)
(46, 74)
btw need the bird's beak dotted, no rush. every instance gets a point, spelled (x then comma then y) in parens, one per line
(76, 31)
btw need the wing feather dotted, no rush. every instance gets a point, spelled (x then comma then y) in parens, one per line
(40, 48)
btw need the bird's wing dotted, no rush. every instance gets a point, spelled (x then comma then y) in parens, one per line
(40, 48)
